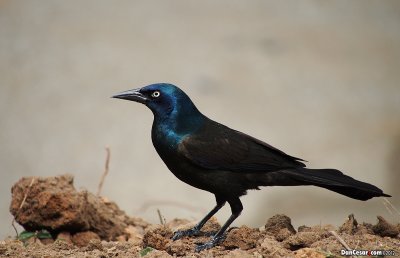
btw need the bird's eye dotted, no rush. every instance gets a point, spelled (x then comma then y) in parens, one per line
(155, 94)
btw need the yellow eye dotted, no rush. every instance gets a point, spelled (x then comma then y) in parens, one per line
(155, 94)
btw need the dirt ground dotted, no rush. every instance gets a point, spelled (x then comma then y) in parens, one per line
(63, 222)
(275, 240)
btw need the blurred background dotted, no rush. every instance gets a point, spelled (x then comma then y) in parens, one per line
(317, 79)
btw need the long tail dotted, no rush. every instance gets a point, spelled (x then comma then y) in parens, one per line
(336, 181)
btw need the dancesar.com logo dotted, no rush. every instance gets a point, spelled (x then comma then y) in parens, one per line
(367, 253)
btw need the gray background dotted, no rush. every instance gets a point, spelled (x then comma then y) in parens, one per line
(317, 79)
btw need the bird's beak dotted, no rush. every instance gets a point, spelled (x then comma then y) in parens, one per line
(133, 95)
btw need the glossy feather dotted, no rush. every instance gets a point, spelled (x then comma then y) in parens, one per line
(212, 157)
(215, 146)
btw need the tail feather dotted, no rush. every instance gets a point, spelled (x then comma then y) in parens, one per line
(336, 181)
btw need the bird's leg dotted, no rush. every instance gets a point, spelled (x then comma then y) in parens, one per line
(236, 207)
(196, 229)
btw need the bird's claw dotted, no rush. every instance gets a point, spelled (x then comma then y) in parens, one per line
(182, 233)
(213, 242)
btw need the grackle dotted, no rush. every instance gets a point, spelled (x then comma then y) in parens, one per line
(215, 158)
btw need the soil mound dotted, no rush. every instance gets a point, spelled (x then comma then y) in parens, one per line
(63, 222)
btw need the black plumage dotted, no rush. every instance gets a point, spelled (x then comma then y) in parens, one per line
(210, 156)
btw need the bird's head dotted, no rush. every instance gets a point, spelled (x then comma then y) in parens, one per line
(162, 98)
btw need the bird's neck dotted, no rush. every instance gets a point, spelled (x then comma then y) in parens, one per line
(174, 126)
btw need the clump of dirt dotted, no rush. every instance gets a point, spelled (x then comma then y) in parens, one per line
(280, 226)
(384, 228)
(54, 204)
(350, 226)
(84, 225)
(270, 247)
(182, 247)
(306, 238)
(244, 238)
(83, 238)
(157, 237)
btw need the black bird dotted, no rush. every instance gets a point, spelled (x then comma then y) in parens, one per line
(215, 158)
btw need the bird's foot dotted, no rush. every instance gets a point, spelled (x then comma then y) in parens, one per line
(182, 233)
(214, 241)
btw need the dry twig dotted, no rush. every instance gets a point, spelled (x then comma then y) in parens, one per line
(162, 219)
(106, 169)
(22, 204)
(344, 244)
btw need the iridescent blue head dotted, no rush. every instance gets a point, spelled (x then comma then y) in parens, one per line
(168, 103)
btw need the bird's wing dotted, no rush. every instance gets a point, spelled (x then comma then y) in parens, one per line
(218, 147)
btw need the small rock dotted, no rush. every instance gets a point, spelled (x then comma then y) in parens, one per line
(47, 241)
(64, 236)
(83, 238)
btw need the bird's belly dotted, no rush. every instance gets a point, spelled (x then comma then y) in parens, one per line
(225, 183)
(187, 173)
(215, 181)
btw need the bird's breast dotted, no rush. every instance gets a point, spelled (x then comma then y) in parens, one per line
(166, 143)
